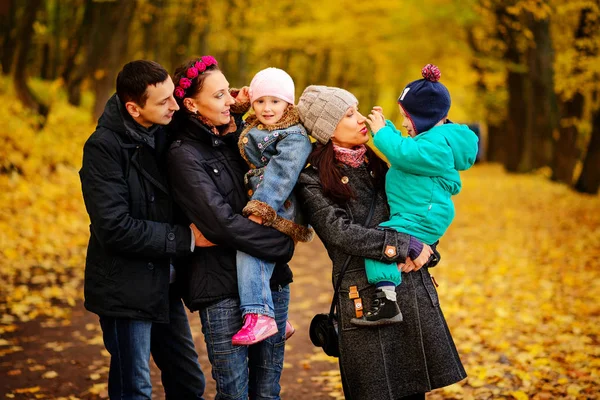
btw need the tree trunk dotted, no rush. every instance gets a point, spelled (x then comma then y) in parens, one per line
(151, 46)
(540, 98)
(7, 17)
(205, 30)
(517, 120)
(71, 74)
(183, 31)
(45, 62)
(110, 40)
(566, 152)
(22, 90)
(496, 146)
(589, 180)
(57, 52)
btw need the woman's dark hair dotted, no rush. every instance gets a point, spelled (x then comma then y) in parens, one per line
(330, 172)
(135, 77)
(196, 83)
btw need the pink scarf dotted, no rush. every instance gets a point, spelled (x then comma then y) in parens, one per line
(351, 157)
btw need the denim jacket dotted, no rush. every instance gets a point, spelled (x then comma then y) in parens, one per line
(276, 155)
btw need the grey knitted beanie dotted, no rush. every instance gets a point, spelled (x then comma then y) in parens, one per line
(321, 108)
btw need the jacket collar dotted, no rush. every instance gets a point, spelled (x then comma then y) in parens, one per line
(290, 117)
(116, 118)
(194, 129)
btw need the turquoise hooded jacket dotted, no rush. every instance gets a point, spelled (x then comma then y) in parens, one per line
(423, 176)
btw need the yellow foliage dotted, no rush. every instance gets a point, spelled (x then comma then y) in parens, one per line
(43, 223)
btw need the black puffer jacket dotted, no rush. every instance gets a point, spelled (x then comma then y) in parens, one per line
(207, 178)
(123, 178)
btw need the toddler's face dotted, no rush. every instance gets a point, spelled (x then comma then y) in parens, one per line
(269, 109)
(407, 123)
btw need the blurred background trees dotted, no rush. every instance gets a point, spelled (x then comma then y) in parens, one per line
(525, 71)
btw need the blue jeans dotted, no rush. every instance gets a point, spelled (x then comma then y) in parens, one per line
(253, 276)
(130, 343)
(243, 372)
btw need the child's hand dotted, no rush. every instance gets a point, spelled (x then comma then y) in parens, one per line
(376, 120)
(255, 218)
(243, 95)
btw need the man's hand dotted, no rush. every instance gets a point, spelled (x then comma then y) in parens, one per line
(200, 240)
(376, 120)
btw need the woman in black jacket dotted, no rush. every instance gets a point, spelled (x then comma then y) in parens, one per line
(388, 362)
(207, 178)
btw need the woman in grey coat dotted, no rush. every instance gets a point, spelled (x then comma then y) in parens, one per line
(399, 361)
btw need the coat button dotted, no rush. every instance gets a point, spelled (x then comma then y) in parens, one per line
(216, 171)
(152, 198)
(171, 236)
(150, 266)
(260, 126)
(245, 140)
(250, 192)
(344, 180)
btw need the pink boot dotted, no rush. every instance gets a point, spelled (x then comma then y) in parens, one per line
(257, 327)
(289, 330)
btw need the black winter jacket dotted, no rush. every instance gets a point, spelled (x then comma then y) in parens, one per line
(207, 178)
(132, 237)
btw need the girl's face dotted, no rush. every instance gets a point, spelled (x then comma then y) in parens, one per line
(407, 123)
(213, 101)
(269, 109)
(351, 131)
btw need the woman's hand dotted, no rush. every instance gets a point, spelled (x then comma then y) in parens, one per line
(376, 120)
(255, 218)
(410, 265)
(200, 240)
(243, 95)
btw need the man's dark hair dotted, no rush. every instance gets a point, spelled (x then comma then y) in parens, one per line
(135, 77)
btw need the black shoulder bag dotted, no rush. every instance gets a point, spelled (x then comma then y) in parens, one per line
(323, 327)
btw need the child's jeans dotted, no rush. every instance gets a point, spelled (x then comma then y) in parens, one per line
(254, 277)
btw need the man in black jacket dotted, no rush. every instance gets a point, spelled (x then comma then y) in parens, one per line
(133, 241)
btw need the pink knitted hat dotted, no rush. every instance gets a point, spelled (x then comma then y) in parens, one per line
(272, 82)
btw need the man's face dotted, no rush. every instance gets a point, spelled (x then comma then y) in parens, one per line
(160, 105)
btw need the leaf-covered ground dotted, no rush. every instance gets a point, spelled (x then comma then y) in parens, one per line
(519, 284)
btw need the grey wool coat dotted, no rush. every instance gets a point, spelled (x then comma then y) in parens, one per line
(385, 363)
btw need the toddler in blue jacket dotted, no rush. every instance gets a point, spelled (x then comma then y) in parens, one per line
(423, 177)
(275, 145)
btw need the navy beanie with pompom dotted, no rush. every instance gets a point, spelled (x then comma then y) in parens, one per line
(425, 101)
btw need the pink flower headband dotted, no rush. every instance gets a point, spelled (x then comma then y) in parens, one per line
(198, 68)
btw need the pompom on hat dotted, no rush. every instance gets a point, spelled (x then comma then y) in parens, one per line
(425, 101)
(272, 82)
(321, 108)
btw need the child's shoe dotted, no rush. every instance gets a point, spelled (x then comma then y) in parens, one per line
(289, 330)
(257, 327)
(383, 312)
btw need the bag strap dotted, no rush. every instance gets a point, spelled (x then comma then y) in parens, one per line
(347, 262)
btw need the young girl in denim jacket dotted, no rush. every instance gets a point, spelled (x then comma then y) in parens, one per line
(275, 145)
(423, 177)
